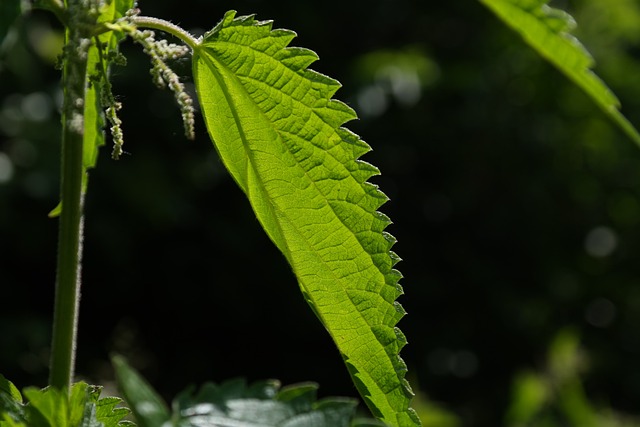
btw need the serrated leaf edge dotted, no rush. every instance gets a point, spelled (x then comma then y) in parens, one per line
(391, 276)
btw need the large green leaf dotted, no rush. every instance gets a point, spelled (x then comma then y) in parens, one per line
(279, 133)
(547, 30)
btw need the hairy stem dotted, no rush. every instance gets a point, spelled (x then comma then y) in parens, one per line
(167, 27)
(70, 227)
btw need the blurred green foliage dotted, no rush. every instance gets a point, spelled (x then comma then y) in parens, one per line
(516, 206)
(236, 403)
(555, 396)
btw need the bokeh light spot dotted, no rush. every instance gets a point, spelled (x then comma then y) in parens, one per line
(372, 101)
(6, 168)
(37, 106)
(461, 364)
(464, 364)
(600, 242)
(600, 313)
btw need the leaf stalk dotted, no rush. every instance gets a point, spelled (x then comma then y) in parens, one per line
(167, 27)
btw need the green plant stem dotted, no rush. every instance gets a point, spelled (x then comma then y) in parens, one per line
(70, 227)
(167, 27)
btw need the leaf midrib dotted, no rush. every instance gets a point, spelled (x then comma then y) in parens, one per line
(280, 131)
(294, 100)
(299, 103)
(282, 215)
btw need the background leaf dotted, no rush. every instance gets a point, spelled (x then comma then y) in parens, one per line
(547, 30)
(234, 403)
(279, 133)
(148, 408)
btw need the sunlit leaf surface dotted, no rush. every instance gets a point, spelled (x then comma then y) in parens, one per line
(279, 133)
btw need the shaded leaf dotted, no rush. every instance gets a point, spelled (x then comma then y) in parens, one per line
(279, 134)
(547, 30)
(236, 404)
(264, 404)
(50, 407)
(11, 390)
(148, 408)
(11, 408)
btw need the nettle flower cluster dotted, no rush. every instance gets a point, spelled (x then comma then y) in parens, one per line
(159, 51)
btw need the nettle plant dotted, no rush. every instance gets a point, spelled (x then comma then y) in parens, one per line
(280, 134)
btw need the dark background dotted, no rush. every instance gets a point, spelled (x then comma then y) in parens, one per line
(515, 204)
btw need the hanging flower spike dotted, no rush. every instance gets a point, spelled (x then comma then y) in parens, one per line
(163, 75)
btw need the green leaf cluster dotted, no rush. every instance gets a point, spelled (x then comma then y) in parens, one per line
(49, 407)
(279, 133)
(234, 403)
(556, 394)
